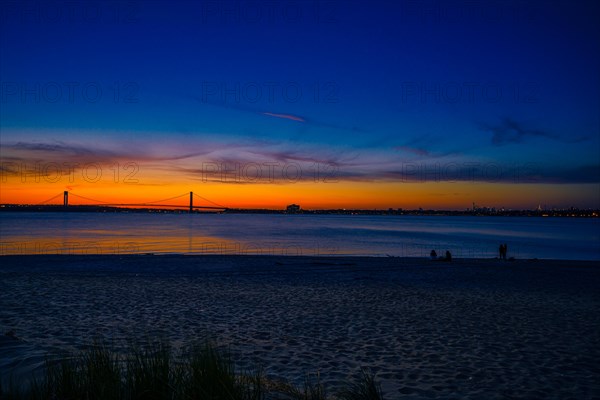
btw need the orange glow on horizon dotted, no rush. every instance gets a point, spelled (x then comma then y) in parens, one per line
(308, 194)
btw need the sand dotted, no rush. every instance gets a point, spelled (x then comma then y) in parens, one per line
(466, 329)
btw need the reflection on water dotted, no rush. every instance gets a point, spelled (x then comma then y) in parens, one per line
(135, 245)
(408, 236)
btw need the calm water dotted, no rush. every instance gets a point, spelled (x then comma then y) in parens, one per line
(86, 233)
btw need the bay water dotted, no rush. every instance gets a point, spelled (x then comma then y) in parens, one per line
(309, 235)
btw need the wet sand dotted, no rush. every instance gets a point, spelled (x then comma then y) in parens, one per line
(427, 329)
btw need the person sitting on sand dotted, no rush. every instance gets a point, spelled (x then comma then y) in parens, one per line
(433, 255)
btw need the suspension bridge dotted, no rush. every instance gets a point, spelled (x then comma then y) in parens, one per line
(162, 203)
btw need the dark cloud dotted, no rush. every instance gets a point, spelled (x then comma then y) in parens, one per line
(413, 150)
(528, 173)
(56, 148)
(510, 131)
(581, 174)
(77, 153)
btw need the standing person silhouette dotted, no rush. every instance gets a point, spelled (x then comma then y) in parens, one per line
(505, 250)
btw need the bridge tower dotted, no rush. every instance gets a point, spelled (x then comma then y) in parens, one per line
(191, 202)
(65, 198)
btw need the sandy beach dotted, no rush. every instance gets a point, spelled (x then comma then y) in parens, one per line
(427, 329)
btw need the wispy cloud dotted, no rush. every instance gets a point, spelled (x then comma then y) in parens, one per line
(285, 116)
(269, 113)
(279, 160)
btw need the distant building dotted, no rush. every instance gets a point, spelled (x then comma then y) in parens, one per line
(293, 209)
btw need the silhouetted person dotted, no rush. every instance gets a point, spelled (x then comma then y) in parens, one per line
(502, 250)
(433, 255)
(448, 256)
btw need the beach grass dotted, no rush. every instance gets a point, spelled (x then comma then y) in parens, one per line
(156, 372)
(364, 388)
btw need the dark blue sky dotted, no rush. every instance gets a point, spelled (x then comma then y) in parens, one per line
(366, 85)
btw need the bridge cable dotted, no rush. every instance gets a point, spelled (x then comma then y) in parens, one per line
(87, 198)
(50, 199)
(170, 198)
(210, 201)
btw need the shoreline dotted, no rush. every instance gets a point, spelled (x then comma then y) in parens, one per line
(59, 208)
(301, 256)
(310, 259)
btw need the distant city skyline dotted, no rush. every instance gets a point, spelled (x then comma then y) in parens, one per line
(323, 104)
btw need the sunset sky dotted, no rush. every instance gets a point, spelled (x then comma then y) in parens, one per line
(434, 104)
